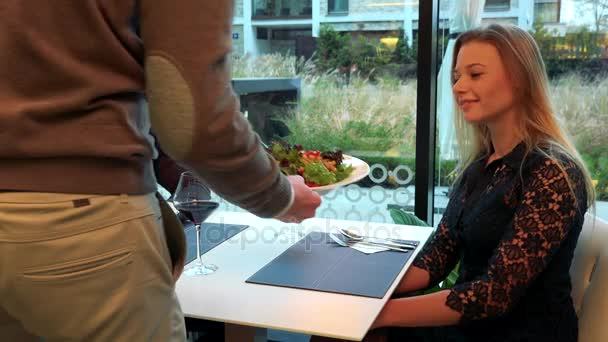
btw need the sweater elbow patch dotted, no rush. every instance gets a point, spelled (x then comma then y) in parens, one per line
(171, 106)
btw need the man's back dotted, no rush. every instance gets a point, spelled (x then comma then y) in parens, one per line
(75, 81)
(83, 254)
(71, 89)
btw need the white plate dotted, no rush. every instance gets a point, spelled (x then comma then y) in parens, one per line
(361, 171)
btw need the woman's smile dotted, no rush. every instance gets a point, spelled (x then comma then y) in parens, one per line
(465, 105)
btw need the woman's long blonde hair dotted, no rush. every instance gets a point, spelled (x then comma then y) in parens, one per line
(538, 126)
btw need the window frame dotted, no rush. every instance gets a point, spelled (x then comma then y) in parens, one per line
(497, 7)
(332, 11)
(426, 110)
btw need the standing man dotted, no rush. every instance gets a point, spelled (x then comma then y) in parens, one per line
(83, 255)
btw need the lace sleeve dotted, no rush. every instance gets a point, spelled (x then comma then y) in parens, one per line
(542, 220)
(440, 255)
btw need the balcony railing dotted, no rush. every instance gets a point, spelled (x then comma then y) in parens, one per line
(282, 9)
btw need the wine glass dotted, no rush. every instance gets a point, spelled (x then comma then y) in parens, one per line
(193, 199)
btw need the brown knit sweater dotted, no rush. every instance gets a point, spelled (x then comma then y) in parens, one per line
(76, 78)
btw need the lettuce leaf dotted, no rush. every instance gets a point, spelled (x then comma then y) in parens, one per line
(280, 153)
(343, 171)
(317, 173)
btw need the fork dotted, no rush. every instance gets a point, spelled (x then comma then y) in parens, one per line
(349, 243)
(384, 241)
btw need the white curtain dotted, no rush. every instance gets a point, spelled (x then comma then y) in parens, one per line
(465, 14)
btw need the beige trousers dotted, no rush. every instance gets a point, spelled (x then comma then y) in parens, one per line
(85, 268)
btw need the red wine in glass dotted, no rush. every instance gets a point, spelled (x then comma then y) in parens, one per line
(197, 211)
(192, 198)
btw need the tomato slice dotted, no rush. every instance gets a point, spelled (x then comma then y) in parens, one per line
(310, 153)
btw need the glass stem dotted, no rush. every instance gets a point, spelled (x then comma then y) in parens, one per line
(198, 245)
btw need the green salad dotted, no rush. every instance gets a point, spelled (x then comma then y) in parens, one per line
(316, 167)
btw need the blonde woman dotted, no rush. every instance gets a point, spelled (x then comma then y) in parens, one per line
(515, 215)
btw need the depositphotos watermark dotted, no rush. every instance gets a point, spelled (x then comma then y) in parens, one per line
(247, 236)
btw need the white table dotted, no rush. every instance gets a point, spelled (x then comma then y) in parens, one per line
(225, 296)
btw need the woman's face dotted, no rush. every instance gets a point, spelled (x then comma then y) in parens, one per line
(482, 87)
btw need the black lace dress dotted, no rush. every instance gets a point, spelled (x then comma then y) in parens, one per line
(514, 234)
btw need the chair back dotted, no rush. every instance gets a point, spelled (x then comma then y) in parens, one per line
(589, 272)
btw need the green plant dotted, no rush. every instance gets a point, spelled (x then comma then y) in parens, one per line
(333, 49)
(364, 55)
(268, 65)
(582, 106)
(337, 51)
(545, 39)
(579, 50)
(375, 118)
(383, 55)
(403, 53)
(597, 163)
(402, 217)
(354, 115)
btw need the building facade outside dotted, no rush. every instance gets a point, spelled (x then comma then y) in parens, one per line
(268, 26)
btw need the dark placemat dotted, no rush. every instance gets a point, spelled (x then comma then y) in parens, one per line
(317, 263)
(212, 234)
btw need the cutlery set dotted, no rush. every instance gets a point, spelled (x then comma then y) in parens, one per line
(348, 238)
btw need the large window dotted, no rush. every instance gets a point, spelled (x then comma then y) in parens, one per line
(364, 89)
(337, 6)
(547, 11)
(285, 9)
(358, 95)
(497, 5)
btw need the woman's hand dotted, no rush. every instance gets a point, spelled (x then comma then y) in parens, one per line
(382, 321)
(417, 311)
